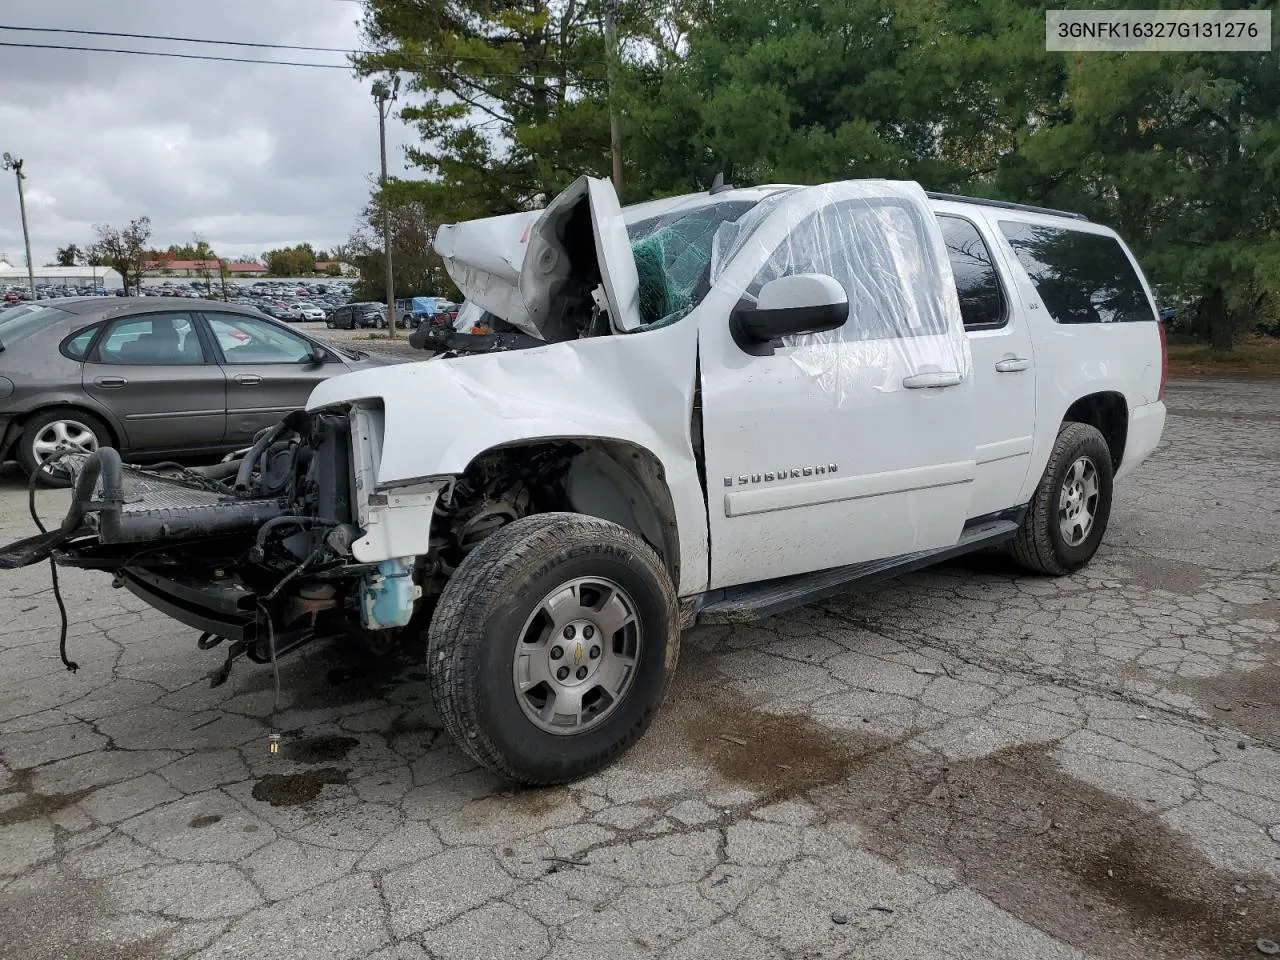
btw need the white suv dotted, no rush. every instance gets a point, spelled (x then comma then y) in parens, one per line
(713, 407)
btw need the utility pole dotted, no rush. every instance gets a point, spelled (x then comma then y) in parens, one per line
(615, 133)
(386, 96)
(13, 163)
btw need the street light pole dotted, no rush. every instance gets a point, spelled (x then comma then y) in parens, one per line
(13, 163)
(385, 97)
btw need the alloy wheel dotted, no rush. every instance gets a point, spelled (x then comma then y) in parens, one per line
(576, 657)
(1078, 501)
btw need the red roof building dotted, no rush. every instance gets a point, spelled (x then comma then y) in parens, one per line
(200, 268)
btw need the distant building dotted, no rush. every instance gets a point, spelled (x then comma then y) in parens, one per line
(86, 276)
(201, 268)
(246, 269)
(344, 269)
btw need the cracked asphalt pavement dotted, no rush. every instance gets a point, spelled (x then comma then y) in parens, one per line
(966, 762)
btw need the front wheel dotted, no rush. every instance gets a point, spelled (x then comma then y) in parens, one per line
(1068, 514)
(552, 646)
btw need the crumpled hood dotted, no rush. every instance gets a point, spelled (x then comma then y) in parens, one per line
(484, 259)
(518, 267)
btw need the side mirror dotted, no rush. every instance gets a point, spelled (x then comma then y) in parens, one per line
(318, 353)
(788, 307)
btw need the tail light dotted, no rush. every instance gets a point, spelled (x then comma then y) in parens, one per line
(1164, 359)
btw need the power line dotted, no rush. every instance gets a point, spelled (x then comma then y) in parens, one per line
(280, 63)
(152, 36)
(179, 56)
(447, 58)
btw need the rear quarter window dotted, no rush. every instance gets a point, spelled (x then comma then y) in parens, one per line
(1081, 277)
(77, 345)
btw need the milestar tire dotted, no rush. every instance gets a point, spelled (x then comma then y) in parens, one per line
(552, 646)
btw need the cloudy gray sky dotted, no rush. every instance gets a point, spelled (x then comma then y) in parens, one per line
(251, 157)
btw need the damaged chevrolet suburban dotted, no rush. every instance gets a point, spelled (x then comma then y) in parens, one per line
(710, 408)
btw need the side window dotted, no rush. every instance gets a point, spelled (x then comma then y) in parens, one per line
(878, 253)
(156, 339)
(249, 340)
(981, 299)
(76, 346)
(1081, 277)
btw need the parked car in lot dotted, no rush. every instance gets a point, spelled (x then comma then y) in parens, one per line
(155, 377)
(354, 315)
(309, 311)
(721, 406)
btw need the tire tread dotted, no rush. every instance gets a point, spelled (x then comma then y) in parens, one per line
(1033, 546)
(468, 600)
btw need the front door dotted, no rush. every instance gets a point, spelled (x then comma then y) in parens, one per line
(154, 372)
(269, 371)
(845, 446)
(1004, 376)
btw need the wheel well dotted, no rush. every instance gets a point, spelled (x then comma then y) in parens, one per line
(609, 479)
(626, 484)
(1109, 413)
(20, 424)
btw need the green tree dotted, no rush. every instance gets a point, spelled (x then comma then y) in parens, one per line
(207, 264)
(123, 249)
(803, 91)
(69, 256)
(1181, 153)
(512, 95)
(295, 261)
(418, 269)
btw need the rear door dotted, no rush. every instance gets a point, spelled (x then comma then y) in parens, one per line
(1004, 376)
(268, 370)
(156, 374)
(847, 446)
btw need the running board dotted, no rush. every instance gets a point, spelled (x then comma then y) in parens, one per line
(755, 600)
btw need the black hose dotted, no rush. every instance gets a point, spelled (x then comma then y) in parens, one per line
(250, 460)
(53, 566)
(271, 647)
(260, 541)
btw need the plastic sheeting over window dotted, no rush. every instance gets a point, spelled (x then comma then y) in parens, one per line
(880, 241)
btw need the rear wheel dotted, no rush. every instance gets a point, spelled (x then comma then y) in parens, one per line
(552, 646)
(54, 432)
(1068, 514)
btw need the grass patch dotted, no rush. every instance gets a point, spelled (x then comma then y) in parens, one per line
(1257, 356)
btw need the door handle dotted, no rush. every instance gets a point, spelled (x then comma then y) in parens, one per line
(248, 379)
(110, 381)
(1012, 364)
(939, 378)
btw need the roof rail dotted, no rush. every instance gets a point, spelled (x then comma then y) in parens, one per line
(1005, 205)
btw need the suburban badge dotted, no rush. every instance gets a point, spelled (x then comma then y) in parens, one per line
(746, 479)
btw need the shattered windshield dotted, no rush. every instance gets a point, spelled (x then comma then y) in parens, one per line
(673, 258)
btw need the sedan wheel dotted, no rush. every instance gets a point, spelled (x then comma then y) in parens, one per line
(53, 433)
(64, 436)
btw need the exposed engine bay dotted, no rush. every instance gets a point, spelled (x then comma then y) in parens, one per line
(261, 549)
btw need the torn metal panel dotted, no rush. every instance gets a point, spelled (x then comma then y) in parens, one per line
(538, 270)
(636, 389)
